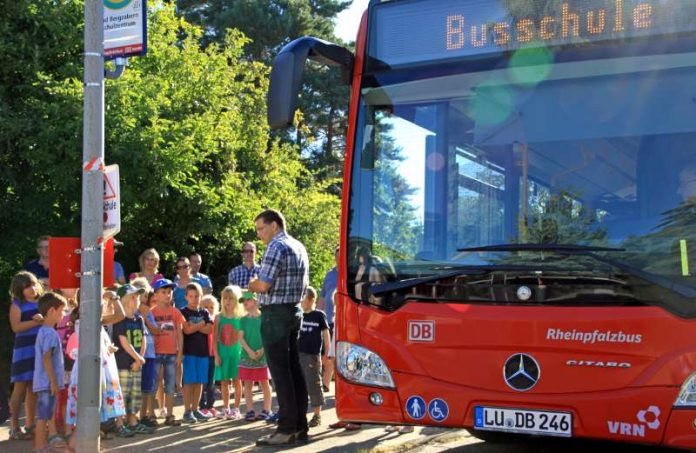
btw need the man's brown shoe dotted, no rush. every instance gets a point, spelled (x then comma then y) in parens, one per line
(276, 440)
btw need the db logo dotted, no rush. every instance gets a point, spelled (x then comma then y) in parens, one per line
(421, 331)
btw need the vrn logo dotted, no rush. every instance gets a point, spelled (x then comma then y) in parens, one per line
(649, 417)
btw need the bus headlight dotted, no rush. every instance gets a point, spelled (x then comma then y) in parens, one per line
(687, 394)
(362, 366)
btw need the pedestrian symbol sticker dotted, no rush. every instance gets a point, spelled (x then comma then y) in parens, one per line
(438, 410)
(415, 407)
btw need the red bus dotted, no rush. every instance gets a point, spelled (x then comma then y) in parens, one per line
(519, 216)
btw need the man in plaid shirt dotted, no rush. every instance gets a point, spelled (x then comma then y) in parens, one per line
(240, 275)
(282, 283)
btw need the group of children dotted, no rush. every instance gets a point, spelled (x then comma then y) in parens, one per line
(148, 345)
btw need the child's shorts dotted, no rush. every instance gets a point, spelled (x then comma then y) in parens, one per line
(130, 387)
(195, 370)
(148, 383)
(168, 362)
(45, 405)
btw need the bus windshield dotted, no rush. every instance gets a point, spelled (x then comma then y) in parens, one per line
(538, 149)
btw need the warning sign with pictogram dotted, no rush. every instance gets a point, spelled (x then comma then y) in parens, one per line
(112, 201)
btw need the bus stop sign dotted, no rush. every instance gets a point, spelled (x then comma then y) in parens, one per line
(112, 201)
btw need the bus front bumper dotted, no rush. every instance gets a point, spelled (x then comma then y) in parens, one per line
(640, 415)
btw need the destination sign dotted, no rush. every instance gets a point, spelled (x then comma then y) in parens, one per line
(411, 32)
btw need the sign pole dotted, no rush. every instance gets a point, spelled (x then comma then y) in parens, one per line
(89, 370)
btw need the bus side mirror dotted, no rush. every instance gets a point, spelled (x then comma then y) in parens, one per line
(286, 75)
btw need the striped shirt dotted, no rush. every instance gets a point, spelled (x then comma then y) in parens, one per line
(286, 266)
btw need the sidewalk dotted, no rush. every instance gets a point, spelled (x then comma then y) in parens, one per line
(239, 436)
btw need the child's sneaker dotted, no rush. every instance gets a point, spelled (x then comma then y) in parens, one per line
(122, 431)
(263, 415)
(150, 422)
(250, 416)
(141, 429)
(205, 413)
(172, 421)
(162, 413)
(235, 414)
(19, 434)
(224, 414)
(57, 441)
(189, 418)
(213, 413)
(273, 418)
(200, 417)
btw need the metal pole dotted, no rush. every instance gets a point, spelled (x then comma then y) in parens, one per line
(89, 377)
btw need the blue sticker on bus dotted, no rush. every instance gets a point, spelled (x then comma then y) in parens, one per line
(478, 416)
(415, 407)
(438, 410)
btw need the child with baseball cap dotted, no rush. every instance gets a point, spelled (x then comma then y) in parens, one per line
(129, 336)
(169, 342)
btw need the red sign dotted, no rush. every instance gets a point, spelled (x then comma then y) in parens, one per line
(64, 263)
(421, 331)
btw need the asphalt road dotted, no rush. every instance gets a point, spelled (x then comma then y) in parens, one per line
(240, 436)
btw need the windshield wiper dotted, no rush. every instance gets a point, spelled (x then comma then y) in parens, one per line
(574, 249)
(381, 289)
(566, 248)
(656, 279)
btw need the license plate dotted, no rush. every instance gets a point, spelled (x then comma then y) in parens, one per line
(523, 421)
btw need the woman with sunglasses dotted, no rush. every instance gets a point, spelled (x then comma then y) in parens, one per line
(183, 277)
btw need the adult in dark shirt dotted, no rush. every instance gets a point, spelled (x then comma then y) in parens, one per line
(325, 303)
(39, 266)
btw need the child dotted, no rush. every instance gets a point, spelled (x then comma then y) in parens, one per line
(168, 343)
(112, 406)
(196, 329)
(207, 402)
(25, 321)
(314, 334)
(227, 349)
(129, 337)
(149, 380)
(65, 328)
(48, 371)
(252, 363)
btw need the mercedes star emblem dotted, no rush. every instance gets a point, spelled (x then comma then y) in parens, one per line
(521, 372)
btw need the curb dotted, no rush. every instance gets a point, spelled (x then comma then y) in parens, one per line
(451, 435)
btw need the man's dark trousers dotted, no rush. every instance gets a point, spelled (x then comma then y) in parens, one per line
(280, 329)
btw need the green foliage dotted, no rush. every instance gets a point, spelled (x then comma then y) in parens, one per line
(186, 125)
(270, 24)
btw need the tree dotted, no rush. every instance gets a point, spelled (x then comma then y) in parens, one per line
(271, 24)
(186, 125)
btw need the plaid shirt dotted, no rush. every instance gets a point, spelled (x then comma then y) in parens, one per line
(286, 266)
(241, 275)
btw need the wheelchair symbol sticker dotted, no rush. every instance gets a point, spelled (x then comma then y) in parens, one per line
(415, 407)
(438, 410)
